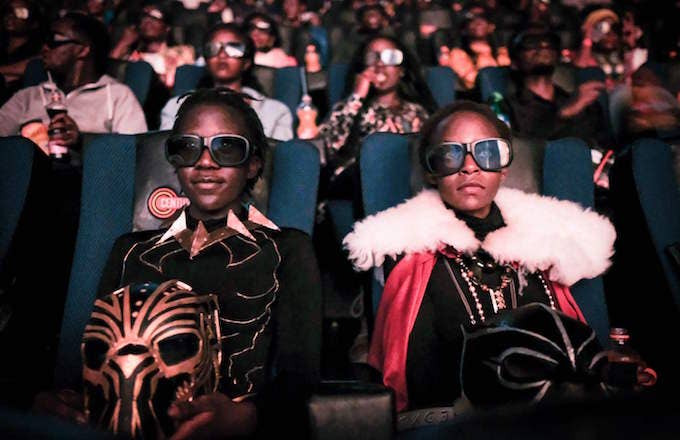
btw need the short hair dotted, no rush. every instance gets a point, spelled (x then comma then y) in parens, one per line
(519, 40)
(235, 104)
(93, 33)
(237, 30)
(359, 14)
(462, 106)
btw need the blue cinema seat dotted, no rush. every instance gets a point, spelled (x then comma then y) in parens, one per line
(659, 196)
(281, 84)
(115, 196)
(137, 75)
(187, 78)
(568, 175)
(16, 169)
(440, 80)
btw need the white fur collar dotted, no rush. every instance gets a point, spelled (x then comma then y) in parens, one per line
(542, 233)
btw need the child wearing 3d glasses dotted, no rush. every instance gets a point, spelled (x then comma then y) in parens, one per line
(265, 280)
(464, 251)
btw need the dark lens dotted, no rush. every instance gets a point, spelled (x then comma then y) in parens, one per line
(183, 151)
(178, 348)
(211, 49)
(492, 154)
(229, 150)
(446, 159)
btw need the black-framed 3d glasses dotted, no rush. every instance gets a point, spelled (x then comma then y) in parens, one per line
(535, 42)
(227, 150)
(492, 154)
(231, 49)
(389, 57)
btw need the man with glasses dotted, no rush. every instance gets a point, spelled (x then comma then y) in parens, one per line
(541, 109)
(75, 56)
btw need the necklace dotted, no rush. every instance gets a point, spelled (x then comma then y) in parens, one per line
(496, 295)
(474, 282)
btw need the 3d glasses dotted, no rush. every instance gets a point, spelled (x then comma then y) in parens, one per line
(602, 28)
(260, 25)
(56, 40)
(447, 158)
(389, 57)
(539, 41)
(231, 49)
(227, 150)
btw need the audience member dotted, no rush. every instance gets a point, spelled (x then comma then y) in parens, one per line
(369, 21)
(387, 93)
(265, 34)
(478, 49)
(601, 46)
(541, 109)
(265, 278)
(20, 41)
(148, 41)
(229, 59)
(463, 251)
(75, 56)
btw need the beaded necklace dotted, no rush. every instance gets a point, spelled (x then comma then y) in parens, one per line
(496, 293)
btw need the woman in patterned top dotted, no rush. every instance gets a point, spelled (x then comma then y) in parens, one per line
(387, 93)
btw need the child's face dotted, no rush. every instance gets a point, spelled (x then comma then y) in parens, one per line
(214, 190)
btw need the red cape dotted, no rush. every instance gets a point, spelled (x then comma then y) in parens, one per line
(399, 306)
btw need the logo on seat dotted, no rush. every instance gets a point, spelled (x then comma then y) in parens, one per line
(163, 202)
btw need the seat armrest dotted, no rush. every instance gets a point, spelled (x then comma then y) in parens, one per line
(351, 409)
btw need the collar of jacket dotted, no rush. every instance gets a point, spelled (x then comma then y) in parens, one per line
(541, 233)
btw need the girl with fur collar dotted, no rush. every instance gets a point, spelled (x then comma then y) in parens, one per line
(467, 250)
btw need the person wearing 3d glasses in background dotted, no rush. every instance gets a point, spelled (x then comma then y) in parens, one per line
(75, 56)
(463, 251)
(387, 94)
(265, 34)
(602, 46)
(229, 53)
(148, 41)
(265, 279)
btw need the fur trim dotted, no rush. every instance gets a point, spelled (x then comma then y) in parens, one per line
(542, 233)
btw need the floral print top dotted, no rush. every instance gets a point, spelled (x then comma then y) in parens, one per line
(408, 118)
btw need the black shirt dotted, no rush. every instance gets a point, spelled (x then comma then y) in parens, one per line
(436, 340)
(534, 117)
(270, 305)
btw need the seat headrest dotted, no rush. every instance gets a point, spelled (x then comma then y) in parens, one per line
(158, 195)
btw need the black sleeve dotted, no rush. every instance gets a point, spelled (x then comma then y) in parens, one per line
(298, 339)
(113, 271)
(298, 331)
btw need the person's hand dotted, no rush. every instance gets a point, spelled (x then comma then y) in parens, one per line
(427, 29)
(65, 404)
(217, 6)
(363, 81)
(587, 93)
(66, 129)
(213, 416)
(460, 61)
(129, 36)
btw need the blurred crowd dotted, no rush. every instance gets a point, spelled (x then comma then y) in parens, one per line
(607, 72)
